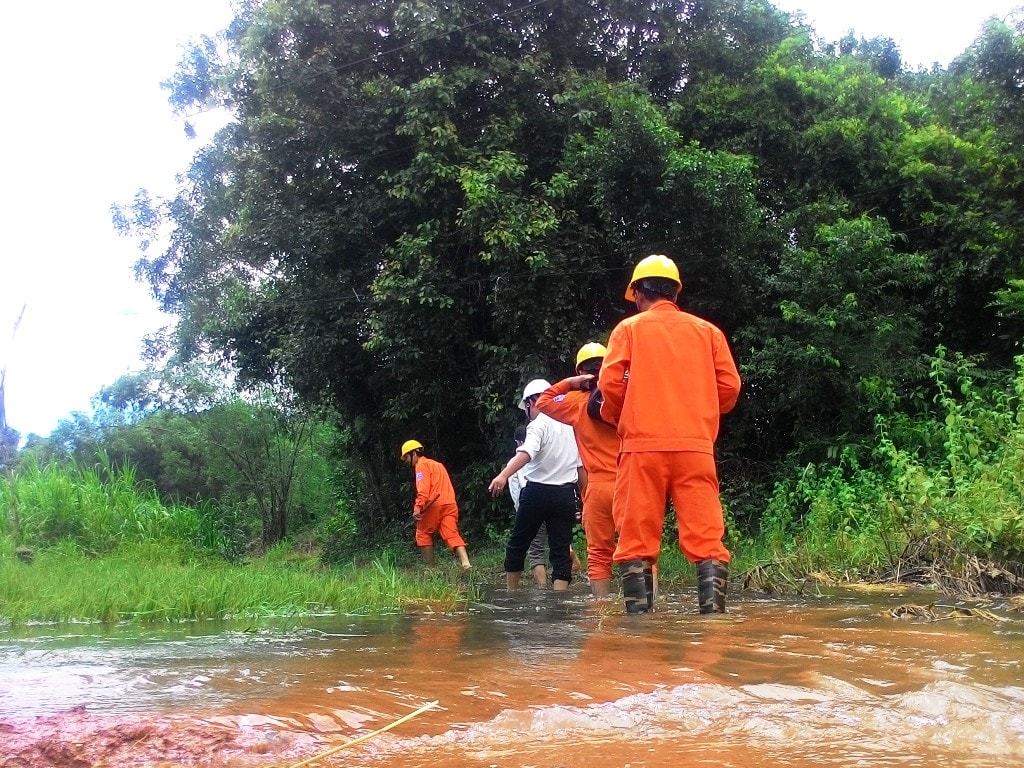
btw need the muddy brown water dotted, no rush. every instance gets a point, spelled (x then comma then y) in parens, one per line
(533, 679)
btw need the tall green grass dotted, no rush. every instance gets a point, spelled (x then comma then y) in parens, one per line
(943, 494)
(154, 582)
(97, 508)
(103, 549)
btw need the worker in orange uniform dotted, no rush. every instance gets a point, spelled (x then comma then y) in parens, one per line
(666, 379)
(434, 509)
(566, 401)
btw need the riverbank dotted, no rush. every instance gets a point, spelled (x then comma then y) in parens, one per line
(156, 582)
(161, 581)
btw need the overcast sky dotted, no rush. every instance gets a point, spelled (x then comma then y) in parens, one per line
(87, 125)
(926, 31)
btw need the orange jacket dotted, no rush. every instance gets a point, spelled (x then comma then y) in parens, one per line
(597, 441)
(667, 377)
(432, 480)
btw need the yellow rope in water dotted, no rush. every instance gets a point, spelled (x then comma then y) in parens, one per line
(365, 737)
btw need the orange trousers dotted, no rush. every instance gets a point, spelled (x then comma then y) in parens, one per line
(442, 519)
(645, 480)
(599, 527)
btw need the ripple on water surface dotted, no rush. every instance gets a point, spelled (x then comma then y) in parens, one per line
(543, 680)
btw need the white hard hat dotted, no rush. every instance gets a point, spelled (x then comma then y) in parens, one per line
(532, 388)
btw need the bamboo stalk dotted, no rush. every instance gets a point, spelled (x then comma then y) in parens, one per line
(366, 736)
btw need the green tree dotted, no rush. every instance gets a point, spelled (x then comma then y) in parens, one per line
(259, 463)
(418, 206)
(835, 143)
(841, 345)
(254, 463)
(971, 192)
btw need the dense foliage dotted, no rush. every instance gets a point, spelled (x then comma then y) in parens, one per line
(254, 470)
(418, 206)
(936, 499)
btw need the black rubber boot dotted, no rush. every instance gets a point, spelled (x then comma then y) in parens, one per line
(712, 584)
(634, 587)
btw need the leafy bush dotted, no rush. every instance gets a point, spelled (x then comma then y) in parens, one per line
(337, 534)
(963, 501)
(940, 496)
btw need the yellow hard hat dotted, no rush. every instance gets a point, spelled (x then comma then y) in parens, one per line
(410, 445)
(589, 352)
(653, 266)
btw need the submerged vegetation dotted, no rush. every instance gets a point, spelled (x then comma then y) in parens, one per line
(164, 581)
(159, 581)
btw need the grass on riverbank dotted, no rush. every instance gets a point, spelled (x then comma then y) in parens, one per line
(152, 582)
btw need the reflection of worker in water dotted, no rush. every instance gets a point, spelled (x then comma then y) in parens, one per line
(673, 654)
(436, 641)
(667, 378)
(434, 508)
(567, 401)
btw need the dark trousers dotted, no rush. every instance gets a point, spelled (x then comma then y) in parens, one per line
(551, 504)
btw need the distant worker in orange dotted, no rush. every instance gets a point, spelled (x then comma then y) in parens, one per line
(666, 379)
(434, 508)
(567, 401)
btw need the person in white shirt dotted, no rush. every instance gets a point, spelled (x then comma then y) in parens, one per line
(536, 555)
(550, 463)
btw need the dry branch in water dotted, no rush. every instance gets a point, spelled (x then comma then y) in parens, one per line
(928, 613)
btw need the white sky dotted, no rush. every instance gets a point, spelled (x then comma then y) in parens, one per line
(87, 125)
(926, 31)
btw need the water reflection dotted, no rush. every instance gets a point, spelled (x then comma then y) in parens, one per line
(543, 679)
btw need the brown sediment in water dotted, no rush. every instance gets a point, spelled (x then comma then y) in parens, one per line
(79, 739)
(534, 681)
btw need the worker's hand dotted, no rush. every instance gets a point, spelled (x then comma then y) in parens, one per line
(417, 514)
(584, 381)
(497, 486)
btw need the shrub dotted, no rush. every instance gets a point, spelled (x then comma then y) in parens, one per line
(941, 495)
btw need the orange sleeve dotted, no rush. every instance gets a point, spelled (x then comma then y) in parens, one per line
(554, 403)
(612, 381)
(426, 481)
(726, 375)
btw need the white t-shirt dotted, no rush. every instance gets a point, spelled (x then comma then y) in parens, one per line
(551, 446)
(515, 487)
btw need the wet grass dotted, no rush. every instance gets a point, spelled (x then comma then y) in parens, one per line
(157, 582)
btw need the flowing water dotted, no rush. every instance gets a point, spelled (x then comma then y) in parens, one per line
(532, 679)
